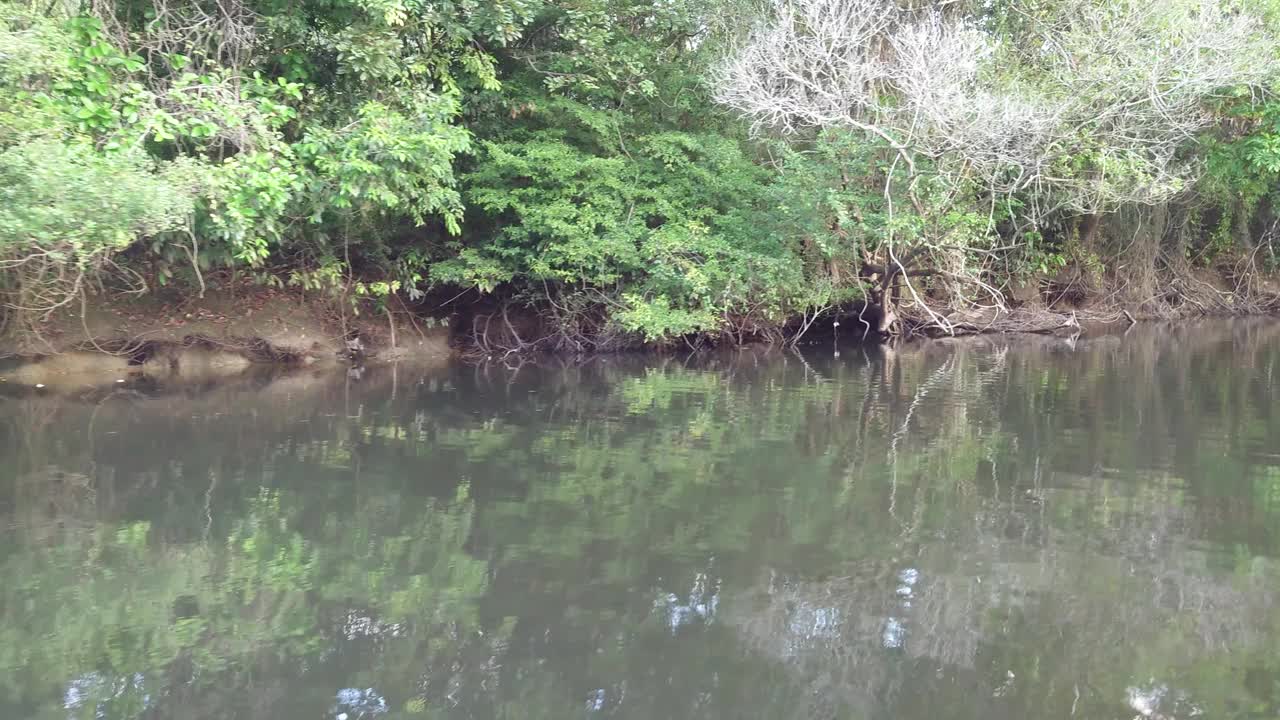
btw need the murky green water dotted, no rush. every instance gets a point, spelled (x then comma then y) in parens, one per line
(1001, 529)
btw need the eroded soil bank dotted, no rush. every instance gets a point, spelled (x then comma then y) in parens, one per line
(182, 337)
(189, 339)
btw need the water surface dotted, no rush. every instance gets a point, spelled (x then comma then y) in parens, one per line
(1005, 528)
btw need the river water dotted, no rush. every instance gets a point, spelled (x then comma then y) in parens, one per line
(999, 528)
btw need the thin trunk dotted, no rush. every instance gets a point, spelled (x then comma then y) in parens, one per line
(1089, 225)
(391, 322)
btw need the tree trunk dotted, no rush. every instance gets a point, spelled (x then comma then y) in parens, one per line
(1089, 225)
(1143, 231)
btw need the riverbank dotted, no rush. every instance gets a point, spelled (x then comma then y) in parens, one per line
(1075, 298)
(178, 336)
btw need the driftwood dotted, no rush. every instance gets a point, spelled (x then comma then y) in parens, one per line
(995, 320)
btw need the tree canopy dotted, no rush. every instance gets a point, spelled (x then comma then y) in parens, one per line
(629, 170)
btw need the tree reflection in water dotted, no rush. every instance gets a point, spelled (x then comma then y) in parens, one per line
(984, 529)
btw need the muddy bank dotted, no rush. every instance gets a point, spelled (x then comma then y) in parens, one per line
(183, 338)
(525, 331)
(194, 372)
(890, 306)
(78, 371)
(178, 335)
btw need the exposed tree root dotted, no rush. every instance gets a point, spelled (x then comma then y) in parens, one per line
(254, 349)
(1181, 297)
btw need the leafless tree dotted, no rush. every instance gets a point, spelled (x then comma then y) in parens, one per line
(1121, 82)
(1082, 106)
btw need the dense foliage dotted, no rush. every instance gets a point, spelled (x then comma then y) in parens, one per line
(628, 170)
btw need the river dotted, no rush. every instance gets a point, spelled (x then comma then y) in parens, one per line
(994, 528)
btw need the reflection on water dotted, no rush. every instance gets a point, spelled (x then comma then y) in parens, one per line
(994, 529)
